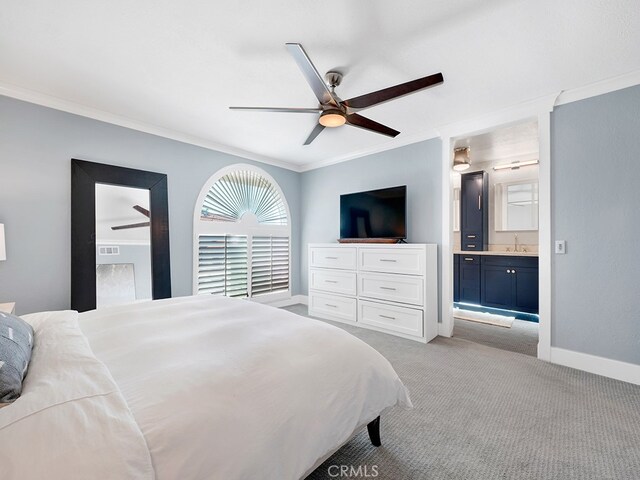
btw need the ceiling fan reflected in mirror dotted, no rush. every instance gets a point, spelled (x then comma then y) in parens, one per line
(335, 112)
(143, 211)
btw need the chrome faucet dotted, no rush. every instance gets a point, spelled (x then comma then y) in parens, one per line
(515, 245)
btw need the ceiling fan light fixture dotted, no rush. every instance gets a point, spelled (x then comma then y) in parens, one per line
(332, 118)
(461, 160)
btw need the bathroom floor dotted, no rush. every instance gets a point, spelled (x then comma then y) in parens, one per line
(522, 337)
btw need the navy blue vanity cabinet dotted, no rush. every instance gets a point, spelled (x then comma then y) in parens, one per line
(510, 283)
(496, 288)
(456, 278)
(526, 289)
(469, 276)
(474, 211)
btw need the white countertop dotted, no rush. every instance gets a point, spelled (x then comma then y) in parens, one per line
(493, 252)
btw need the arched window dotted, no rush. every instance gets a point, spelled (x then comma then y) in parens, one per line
(242, 235)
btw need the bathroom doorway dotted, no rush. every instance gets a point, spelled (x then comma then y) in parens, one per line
(495, 202)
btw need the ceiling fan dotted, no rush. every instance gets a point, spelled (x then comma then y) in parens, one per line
(143, 211)
(334, 112)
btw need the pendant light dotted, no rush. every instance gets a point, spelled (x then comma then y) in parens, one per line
(461, 159)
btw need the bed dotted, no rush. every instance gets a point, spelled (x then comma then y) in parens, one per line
(193, 388)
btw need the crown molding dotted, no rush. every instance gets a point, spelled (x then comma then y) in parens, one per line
(363, 152)
(506, 115)
(488, 121)
(56, 103)
(599, 88)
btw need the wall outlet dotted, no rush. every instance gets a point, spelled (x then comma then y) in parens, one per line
(561, 247)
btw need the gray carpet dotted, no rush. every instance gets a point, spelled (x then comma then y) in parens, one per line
(485, 413)
(522, 337)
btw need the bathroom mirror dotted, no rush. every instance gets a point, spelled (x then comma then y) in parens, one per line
(516, 206)
(119, 235)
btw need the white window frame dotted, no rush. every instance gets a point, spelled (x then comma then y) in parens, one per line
(240, 228)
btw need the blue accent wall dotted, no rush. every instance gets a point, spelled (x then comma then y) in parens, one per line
(595, 175)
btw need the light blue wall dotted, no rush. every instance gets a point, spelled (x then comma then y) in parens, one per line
(595, 153)
(418, 166)
(36, 148)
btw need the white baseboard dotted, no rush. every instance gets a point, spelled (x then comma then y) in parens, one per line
(294, 300)
(627, 372)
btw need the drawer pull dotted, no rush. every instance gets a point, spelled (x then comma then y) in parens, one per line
(331, 258)
(330, 281)
(471, 236)
(387, 288)
(471, 246)
(386, 316)
(330, 305)
(468, 259)
(387, 260)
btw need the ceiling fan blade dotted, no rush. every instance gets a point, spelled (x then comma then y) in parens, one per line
(363, 122)
(318, 85)
(278, 109)
(142, 210)
(397, 91)
(131, 225)
(314, 133)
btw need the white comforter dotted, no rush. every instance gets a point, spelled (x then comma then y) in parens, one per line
(219, 389)
(230, 389)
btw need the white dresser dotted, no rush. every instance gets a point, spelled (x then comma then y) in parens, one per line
(389, 288)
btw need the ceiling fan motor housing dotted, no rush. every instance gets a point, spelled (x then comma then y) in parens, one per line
(333, 78)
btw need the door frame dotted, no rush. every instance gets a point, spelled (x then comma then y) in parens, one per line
(540, 110)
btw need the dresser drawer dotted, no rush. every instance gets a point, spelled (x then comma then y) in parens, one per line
(336, 281)
(342, 308)
(396, 288)
(392, 260)
(398, 319)
(331, 257)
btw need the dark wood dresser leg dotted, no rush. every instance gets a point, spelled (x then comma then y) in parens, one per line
(374, 432)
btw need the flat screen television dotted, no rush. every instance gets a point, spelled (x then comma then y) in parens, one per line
(374, 214)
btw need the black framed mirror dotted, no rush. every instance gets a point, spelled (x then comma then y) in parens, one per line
(87, 178)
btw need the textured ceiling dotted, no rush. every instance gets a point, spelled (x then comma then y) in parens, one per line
(179, 65)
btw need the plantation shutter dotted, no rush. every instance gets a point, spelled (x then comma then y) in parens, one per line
(222, 265)
(242, 236)
(269, 264)
(240, 192)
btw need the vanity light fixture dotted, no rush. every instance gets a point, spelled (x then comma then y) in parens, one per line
(516, 165)
(3, 251)
(461, 159)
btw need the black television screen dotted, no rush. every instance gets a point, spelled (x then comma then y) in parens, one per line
(374, 214)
